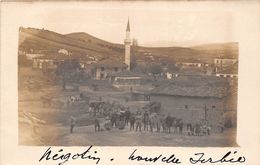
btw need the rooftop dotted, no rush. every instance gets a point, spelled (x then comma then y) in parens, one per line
(108, 63)
(130, 74)
(194, 86)
(55, 57)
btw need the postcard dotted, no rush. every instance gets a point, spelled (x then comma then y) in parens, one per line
(130, 82)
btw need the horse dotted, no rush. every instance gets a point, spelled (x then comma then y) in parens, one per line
(178, 125)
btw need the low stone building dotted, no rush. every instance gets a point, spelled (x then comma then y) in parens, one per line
(191, 63)
(104, 68)
(129, 79)
(229, 72)
(193, 98)
(48, 61)
(224, 62)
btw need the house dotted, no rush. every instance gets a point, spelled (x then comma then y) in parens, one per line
(228, 72)
(31, 56)
(65, 52)
(129, 78)
(191, 63)
(171, 71)
(104, 68)
(224, 62)
(48, 61)
(193, 98)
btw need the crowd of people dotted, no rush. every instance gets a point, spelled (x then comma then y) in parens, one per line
(109, 116)
(152, 121)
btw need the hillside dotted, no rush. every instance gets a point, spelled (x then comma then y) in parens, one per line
(80, 43)
(50, 42)
(229, 50)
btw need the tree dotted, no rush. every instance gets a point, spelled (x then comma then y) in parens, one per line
(68, 71)
(155, 69)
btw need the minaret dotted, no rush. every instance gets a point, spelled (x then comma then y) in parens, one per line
(127, 46)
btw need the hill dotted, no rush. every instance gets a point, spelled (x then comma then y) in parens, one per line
(80, 43)
(48, 42)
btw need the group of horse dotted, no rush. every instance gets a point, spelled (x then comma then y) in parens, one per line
(149, 122)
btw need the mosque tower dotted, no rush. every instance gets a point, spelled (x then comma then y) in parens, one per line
(127, 47)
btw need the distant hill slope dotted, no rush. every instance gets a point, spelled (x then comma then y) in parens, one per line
(228, 50)
(87, 45)
(84, 37)
(50, 42)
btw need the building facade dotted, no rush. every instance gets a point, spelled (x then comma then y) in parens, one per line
(224, 62)
(104, 69)
(194, 98)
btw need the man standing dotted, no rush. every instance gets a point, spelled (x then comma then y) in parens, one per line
(138, 121)
(72, 123)
(146, 120)
(168, 122)
(132, 122)
(97, 125)
(127, 116)
(113, 119)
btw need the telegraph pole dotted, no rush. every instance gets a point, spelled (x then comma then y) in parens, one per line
(205, 113)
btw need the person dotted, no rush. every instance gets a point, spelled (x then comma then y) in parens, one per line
(180, 126)
(146, 120)
(72, 123)
(221, 126)
(90, 111)
(132, 122)
(127, 116)
(113, 119)
(138, 121)
(189, 129)
(197, 129)
(97, 125)
(208, 129)
(168, 122)
(163, 123)
(153, 121)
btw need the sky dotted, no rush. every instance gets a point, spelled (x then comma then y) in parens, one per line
(152, 23)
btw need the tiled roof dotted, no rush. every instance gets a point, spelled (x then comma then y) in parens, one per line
(130, 74)
(60, 57)
(108, 63)
(195, 86)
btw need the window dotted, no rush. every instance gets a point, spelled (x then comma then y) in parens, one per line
(101, 76)
(186, 106)
(102, 68)
(213, 106)
(116, 69)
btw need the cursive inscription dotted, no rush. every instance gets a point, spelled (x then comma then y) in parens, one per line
(64, 157)
(170, 159)
(227, 158)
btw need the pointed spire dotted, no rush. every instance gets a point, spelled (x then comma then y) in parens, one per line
(128, 26)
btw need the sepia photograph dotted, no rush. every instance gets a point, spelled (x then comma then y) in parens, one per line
(128, 76)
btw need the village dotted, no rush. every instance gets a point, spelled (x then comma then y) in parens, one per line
(68, 99)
